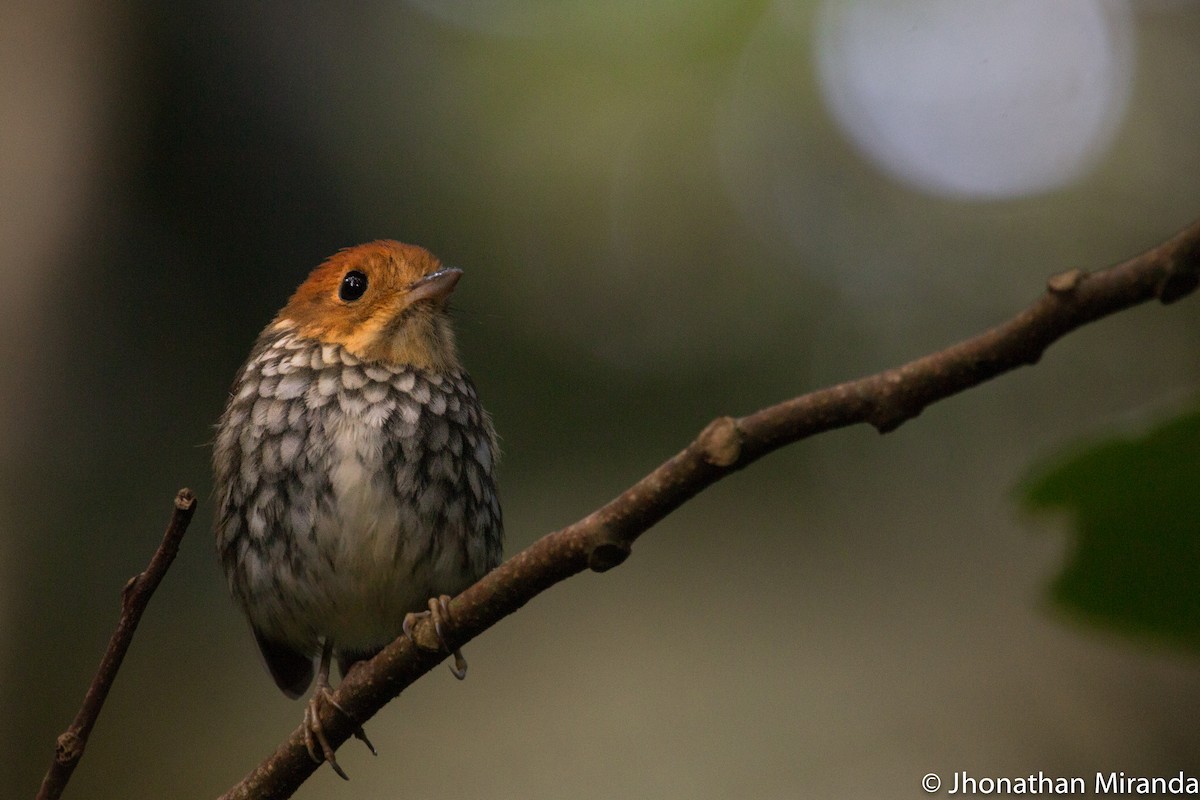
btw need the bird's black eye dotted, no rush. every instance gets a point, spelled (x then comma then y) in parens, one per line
(354, 284)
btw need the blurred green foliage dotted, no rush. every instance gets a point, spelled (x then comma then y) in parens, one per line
(1135, 563)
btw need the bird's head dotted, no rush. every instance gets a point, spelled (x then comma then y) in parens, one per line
(382, 301)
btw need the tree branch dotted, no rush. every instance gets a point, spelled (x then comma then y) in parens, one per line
(134, 599)
(603, 539)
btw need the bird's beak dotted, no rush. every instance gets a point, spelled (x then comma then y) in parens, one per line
(436, 286)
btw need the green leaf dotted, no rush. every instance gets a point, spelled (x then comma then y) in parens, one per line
(1135, 504)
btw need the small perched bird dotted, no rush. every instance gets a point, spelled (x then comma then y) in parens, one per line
(354, 470)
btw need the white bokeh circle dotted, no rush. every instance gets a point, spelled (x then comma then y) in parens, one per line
(989, 99)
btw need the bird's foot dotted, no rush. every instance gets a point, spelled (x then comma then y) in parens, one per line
(315, 740)
(439, 611)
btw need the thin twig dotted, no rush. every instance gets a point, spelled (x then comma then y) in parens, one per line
(603, 539)
(134, 599)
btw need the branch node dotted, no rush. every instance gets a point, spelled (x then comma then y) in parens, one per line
(1065, 282)
(888, 408)
(68, 748)
(721, 442)
(185, 498)
(607, 555)
(1177, 283)
(887, 420)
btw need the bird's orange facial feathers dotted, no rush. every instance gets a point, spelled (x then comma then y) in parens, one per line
(382, 301)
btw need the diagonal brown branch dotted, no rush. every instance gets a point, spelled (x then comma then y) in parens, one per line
(603, 539)
(134, 599)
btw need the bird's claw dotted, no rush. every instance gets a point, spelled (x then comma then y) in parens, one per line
(439, 612)
(314, 730)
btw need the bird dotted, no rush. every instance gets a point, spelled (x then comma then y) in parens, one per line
(354, 472)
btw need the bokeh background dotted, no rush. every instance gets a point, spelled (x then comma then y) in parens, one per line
(665, 212)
